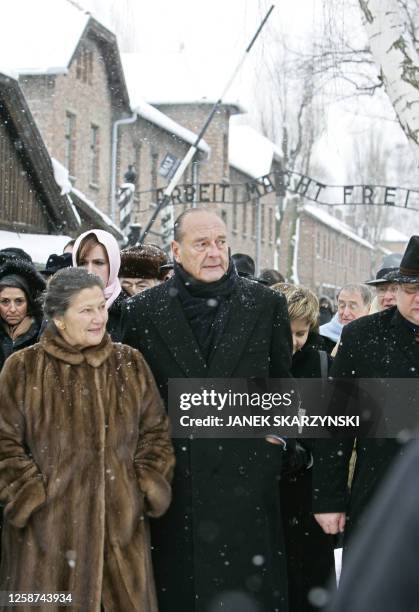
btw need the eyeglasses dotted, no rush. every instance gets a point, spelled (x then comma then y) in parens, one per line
(410, 289)
(382, 289)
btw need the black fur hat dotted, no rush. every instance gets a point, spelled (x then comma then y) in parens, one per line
(23, 275)
(14, 253)
(143, 261)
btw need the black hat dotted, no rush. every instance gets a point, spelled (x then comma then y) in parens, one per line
(57, 262)
(14, 253)
(389, 265)
(384, 275)
(408, 271)
(27, 277)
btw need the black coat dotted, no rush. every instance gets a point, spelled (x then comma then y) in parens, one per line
(220, 545)
(381, 569)
(310, 556)
(375, 346)
(113, 326)
(7, 346)
(35, 284)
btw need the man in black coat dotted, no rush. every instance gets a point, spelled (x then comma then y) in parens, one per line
(381, 573)
(220, 544)
(383, 345)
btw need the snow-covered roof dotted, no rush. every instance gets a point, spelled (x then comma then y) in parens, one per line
(158, 118)
(390, 234)
(61, 176)
(108, 221)
(324, 217)
(39, 36)
(39, 246)
(173, 79)
(249, 151)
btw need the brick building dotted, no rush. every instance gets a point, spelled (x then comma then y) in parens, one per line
(35, 212)
(70, 72)
(328, 252)
(238, 154)
(89, 106)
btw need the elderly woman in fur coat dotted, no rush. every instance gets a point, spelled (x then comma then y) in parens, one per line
(85, 459)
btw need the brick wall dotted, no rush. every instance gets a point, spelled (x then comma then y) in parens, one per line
(327, 259)
(83, 92)
(193, 116)
(144, 145)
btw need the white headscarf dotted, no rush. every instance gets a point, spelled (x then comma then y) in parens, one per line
(113, 287)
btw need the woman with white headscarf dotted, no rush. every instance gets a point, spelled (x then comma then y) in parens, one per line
(98, 252)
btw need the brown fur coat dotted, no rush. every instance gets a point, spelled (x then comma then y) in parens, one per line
(85, 458)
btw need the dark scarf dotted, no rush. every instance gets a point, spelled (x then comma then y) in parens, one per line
(414, 329)
(206, 305)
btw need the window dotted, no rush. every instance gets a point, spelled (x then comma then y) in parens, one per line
(235, 210)
(271, 225)
(70, 143)
(154, 162)
(94, 154)
(262, 222)
(244, 220)
(225, 154)
(254, 210)
(84, 66)
(318, 243)
(137, 168)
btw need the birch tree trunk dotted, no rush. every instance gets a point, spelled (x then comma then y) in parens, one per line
(396, 57)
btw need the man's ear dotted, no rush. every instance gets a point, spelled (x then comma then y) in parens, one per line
(175, 250)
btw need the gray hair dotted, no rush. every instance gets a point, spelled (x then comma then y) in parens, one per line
(364, 291)
(64, 286)
(178, 225)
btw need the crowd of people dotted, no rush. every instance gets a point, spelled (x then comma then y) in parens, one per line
(101, 503)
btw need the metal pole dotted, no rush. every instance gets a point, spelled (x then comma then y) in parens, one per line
(258, 236)
(193, 149)
(113, 160)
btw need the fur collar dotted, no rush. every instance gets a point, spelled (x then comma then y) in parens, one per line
(54, 344)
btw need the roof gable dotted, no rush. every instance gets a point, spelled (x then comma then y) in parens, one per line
(50, 34)
(36, 186)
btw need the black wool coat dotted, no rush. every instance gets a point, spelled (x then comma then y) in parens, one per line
(113, 326)
(376, 346)
(381, 572)
(220, 545)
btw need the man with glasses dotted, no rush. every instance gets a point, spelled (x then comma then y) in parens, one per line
(354, 301)
(382, 345)
(385, 287)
